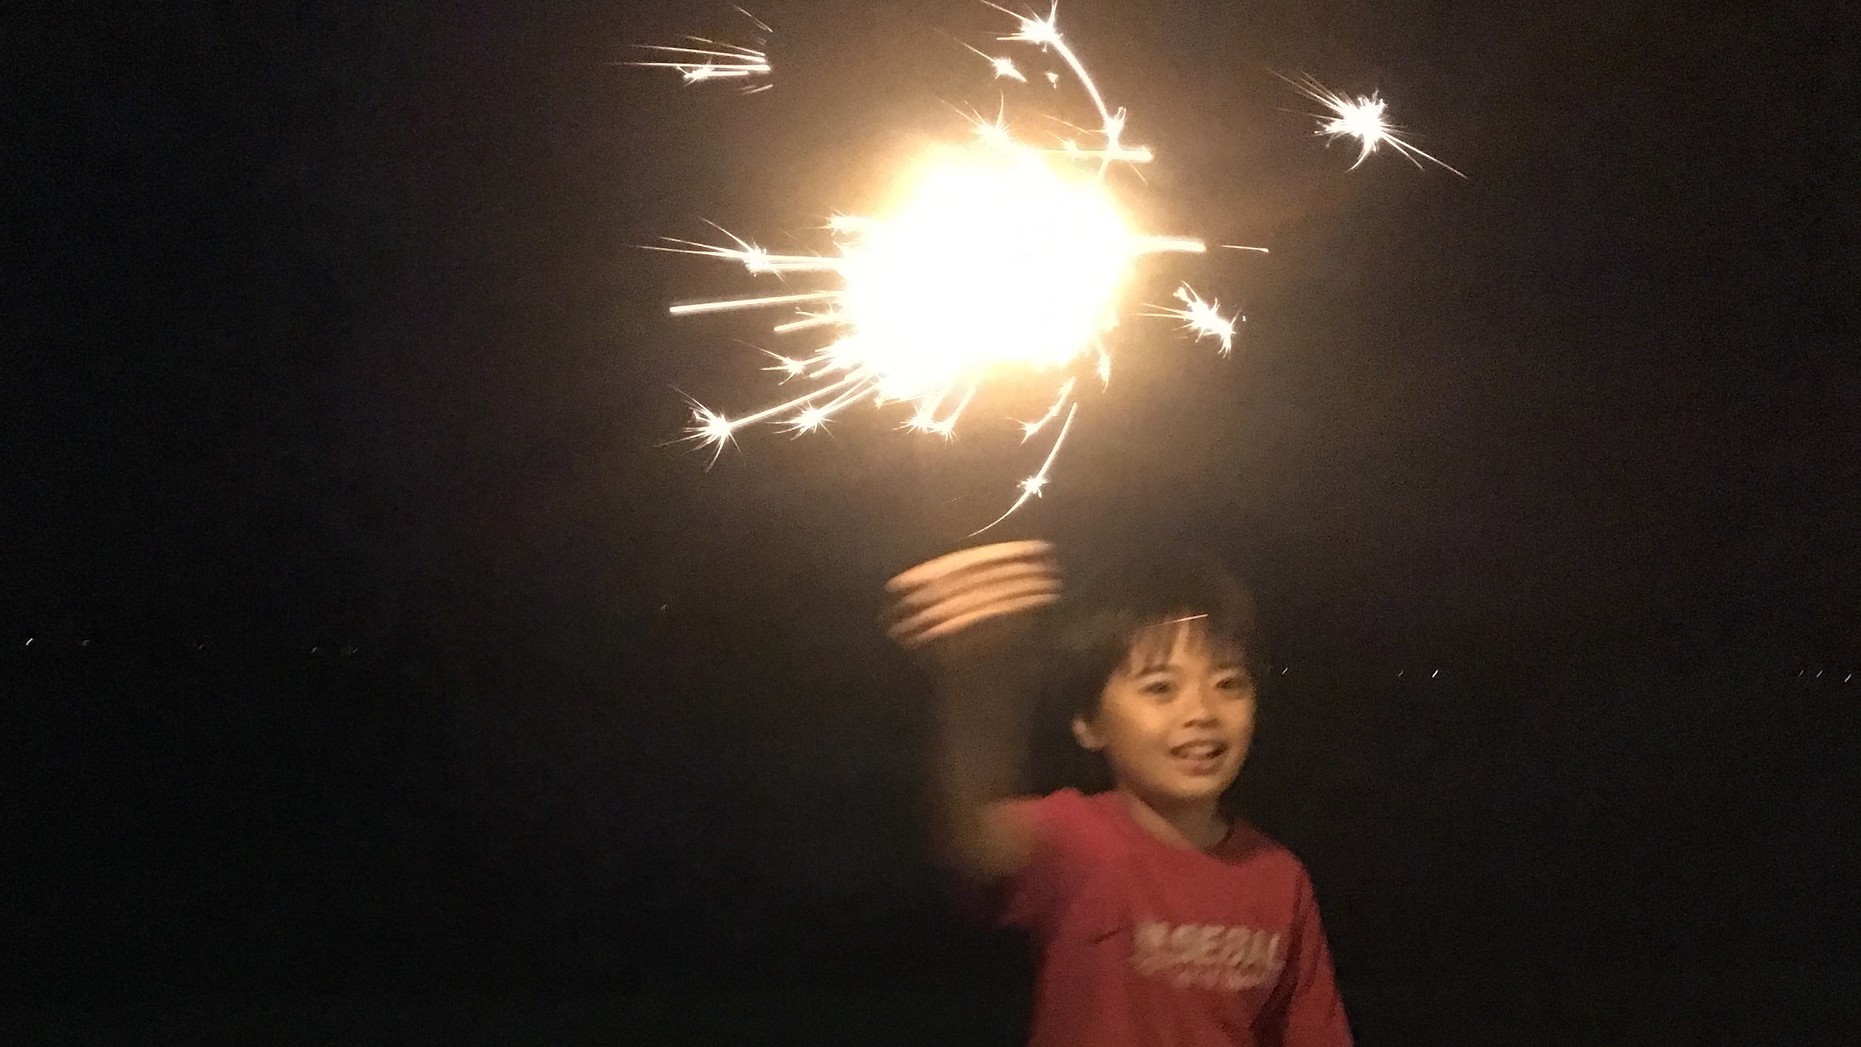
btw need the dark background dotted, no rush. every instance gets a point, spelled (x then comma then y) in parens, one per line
(375, 673)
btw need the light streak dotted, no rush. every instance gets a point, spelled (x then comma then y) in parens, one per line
(713, 59)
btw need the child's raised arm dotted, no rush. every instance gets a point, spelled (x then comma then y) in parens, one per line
(969, 614)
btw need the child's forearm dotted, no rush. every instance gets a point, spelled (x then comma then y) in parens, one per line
(968, 614)
(982, 724)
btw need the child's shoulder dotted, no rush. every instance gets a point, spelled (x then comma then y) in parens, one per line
(1103, 819)
(1071, 805)
(1247, 843)
(1064, 808)
(1068, 819)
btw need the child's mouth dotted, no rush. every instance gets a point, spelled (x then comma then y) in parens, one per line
(1202, 757)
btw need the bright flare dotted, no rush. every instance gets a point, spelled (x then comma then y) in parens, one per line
(1000, 258)
(997, 261)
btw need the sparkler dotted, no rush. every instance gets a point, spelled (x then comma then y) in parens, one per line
(999, 258)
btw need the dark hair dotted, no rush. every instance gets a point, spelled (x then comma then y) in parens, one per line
(1107, 610)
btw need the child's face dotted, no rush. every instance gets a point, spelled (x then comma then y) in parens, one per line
(1176, 719)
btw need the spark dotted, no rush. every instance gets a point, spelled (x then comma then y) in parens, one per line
(925, 422)
(697, 65)
(1003, 66)
(789, 366)
(1203, 317)
(712, 59)
(1031, 429)
(1032, 487)
(1045, 33)
(992, 131)
(711, 428)
(1360, 118)
(759, 22)
(810, 419)
(725, 305)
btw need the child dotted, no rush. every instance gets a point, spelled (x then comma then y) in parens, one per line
(1156, 919)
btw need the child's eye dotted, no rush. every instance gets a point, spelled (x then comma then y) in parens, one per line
(1158, 688)
(1235, 683)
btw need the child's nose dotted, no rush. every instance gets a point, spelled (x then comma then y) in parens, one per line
(1204, 707)
(1208, 705)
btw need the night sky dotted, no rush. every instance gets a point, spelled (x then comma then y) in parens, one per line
(367, 642)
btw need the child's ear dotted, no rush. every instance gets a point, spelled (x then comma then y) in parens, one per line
(1086, 734)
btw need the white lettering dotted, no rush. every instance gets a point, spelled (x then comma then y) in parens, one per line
(1209, 956)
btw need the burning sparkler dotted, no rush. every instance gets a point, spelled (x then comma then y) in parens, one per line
(998, 258)
(1360, 118)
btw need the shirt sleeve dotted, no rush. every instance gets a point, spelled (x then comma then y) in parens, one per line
(1029, 899)
(1309, 1012)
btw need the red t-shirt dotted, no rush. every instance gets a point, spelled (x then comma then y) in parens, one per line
(1140, 942)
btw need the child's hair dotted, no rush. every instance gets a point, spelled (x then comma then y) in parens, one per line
(1114, 606)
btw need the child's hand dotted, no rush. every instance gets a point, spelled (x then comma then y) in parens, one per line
(951, 596)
